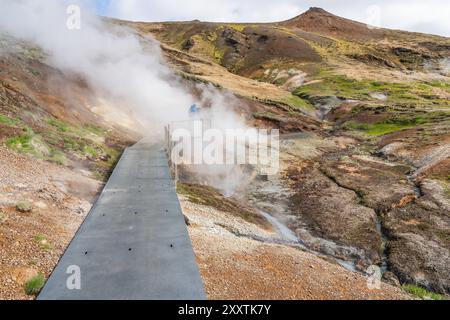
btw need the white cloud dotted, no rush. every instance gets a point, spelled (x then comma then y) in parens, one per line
(430, 16)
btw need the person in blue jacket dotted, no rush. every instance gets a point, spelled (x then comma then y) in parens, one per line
(194, 110)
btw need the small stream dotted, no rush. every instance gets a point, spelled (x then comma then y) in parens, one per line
(290, 237)
(384, 242)
(286, 233)
(417, 189)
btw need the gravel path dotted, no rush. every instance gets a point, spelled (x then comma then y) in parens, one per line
(31, 243)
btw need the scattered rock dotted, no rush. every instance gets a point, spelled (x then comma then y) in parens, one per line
(82, 208)
(3, 217)
(187, 221)
(40, 205)
(24, 207)
(21, 186)
(391, 278)
(105, 157)
(379, 96)
(188, 44)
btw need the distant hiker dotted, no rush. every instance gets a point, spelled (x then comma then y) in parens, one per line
(194, 110)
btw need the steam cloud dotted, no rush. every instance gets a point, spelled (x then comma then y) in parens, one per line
(121, 67)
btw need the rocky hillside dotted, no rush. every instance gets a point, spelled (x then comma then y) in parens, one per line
(369, 180)
(56, 150)
(365, 157)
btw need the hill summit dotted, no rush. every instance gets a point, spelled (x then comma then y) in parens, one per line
(321, 21)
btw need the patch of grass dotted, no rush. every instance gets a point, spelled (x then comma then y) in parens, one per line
(422, 293)
(20, 143)
(70, 143)
(105, 168)
(53, 138)
(7, 121)
(218, 55)
(386, 127)
(446, 185)
(59, 141)
(205, 45)
(237, 27)
(35, 285)
(91, 151)
(291, 104)
(58, 157)
(60, 125)
(266, 116)
(440, 84)
(329, 84)
(299, 103)
(28, 143)
(94, 129)
(43, 242)
(39, 238)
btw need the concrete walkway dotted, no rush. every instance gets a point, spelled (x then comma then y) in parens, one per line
(134, 243)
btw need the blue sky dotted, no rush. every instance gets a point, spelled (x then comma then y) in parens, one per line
(101, 6)
(431, 16)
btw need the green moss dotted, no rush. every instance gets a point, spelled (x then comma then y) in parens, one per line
(329, 84)
(206, 45)
(28, 143)
(20, 143)
(90, 151)
(97, 130)
(439, 84)
(218, 55)
(39, 238)
(58, 157)
(299, 103)
(35, 285)
(237, 27)
(422, 293)
(386, 127)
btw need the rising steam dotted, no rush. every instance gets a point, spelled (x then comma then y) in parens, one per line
(124, 69)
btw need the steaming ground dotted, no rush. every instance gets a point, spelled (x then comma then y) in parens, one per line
(234, 265)
(367, 173)
(126, 71)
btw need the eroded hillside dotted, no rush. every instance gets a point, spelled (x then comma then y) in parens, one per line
(365, 158)
(368, 180)
(55, 154)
